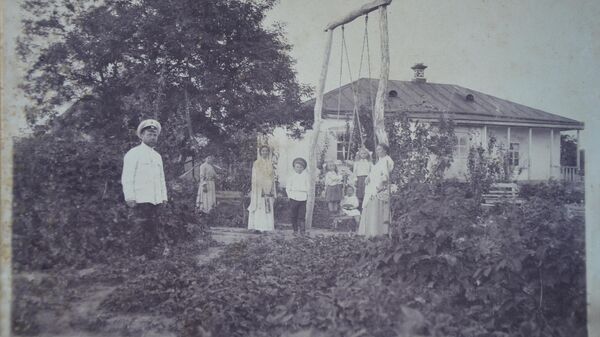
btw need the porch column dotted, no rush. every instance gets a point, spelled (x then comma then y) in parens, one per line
(484, 137)
(578, 158)
(508, 138)
(551, 151)
(529, 146)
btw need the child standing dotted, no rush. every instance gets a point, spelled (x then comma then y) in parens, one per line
(333, 187)
(350, 204)
(297, 190)
(361, 169)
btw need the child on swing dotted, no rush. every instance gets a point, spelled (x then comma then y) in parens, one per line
(350, 204)
(333, 187)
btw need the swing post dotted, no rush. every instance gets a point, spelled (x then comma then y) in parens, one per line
(318, 111)
(379, 110)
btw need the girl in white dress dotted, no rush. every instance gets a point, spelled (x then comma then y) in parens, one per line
(260, 215)
(350, 204)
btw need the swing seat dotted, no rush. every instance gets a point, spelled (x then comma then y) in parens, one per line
(348, 220)
(228, 197)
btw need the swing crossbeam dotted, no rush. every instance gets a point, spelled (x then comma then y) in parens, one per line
(363, 10)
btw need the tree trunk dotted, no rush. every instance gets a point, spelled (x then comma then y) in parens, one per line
(312, 160)
(188, 116)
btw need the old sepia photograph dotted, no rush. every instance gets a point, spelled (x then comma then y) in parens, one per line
(300, 168)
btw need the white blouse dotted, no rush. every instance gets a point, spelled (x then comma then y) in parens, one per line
(297, 186)
(362, 167)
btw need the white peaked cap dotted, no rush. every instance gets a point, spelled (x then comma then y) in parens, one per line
(146, 123)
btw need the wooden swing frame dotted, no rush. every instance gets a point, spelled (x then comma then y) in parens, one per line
(378, 111)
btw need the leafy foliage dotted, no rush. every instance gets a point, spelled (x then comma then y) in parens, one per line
(69, 208)
(483, 168)
(486, 166)
(205, 70)
(568, 150)
(553, 191)
(519, 272)
(447, 272)
(421, 152)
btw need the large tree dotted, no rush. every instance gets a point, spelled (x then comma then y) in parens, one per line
(207, 70)
(203, 68)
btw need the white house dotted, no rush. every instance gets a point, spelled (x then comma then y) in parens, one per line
(531, 136)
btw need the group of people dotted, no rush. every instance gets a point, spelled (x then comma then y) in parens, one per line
(366, 197)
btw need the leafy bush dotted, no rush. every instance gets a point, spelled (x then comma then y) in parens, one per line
(520, 272)
(422, 152)
(554, 191)
(486, 166)
(69, 208)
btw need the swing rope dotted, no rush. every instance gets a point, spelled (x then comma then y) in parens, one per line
(356, 96)
(343, 43)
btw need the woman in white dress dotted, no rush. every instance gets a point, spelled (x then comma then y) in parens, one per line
(260, 215)
(207, 198)
(376, 215)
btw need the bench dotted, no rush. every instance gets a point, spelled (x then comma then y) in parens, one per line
(501, 193)
(229, 197)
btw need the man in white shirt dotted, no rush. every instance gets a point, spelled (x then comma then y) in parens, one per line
(297, 187)
(144, 186)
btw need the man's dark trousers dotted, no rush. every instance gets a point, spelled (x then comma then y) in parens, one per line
(146, 228)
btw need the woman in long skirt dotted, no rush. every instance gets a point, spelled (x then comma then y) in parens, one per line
(376, 214)
(260, 215)
(207, 198)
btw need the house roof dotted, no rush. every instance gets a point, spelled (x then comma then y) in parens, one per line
(428, 100)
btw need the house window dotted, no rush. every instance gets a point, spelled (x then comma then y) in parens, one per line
(513, 154)
(341, 144)
(461, 149)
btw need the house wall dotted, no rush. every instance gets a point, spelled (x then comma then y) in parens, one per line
(535, 168)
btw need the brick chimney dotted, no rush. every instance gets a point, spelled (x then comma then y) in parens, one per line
(419, 70)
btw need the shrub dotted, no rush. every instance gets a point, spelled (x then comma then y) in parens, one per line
(520, 272)
(69, 208)
(421, 152)
(553, 191)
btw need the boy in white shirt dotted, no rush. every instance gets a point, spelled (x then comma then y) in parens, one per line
(297, 188)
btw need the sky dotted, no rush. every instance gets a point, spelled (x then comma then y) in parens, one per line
(542, 53)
